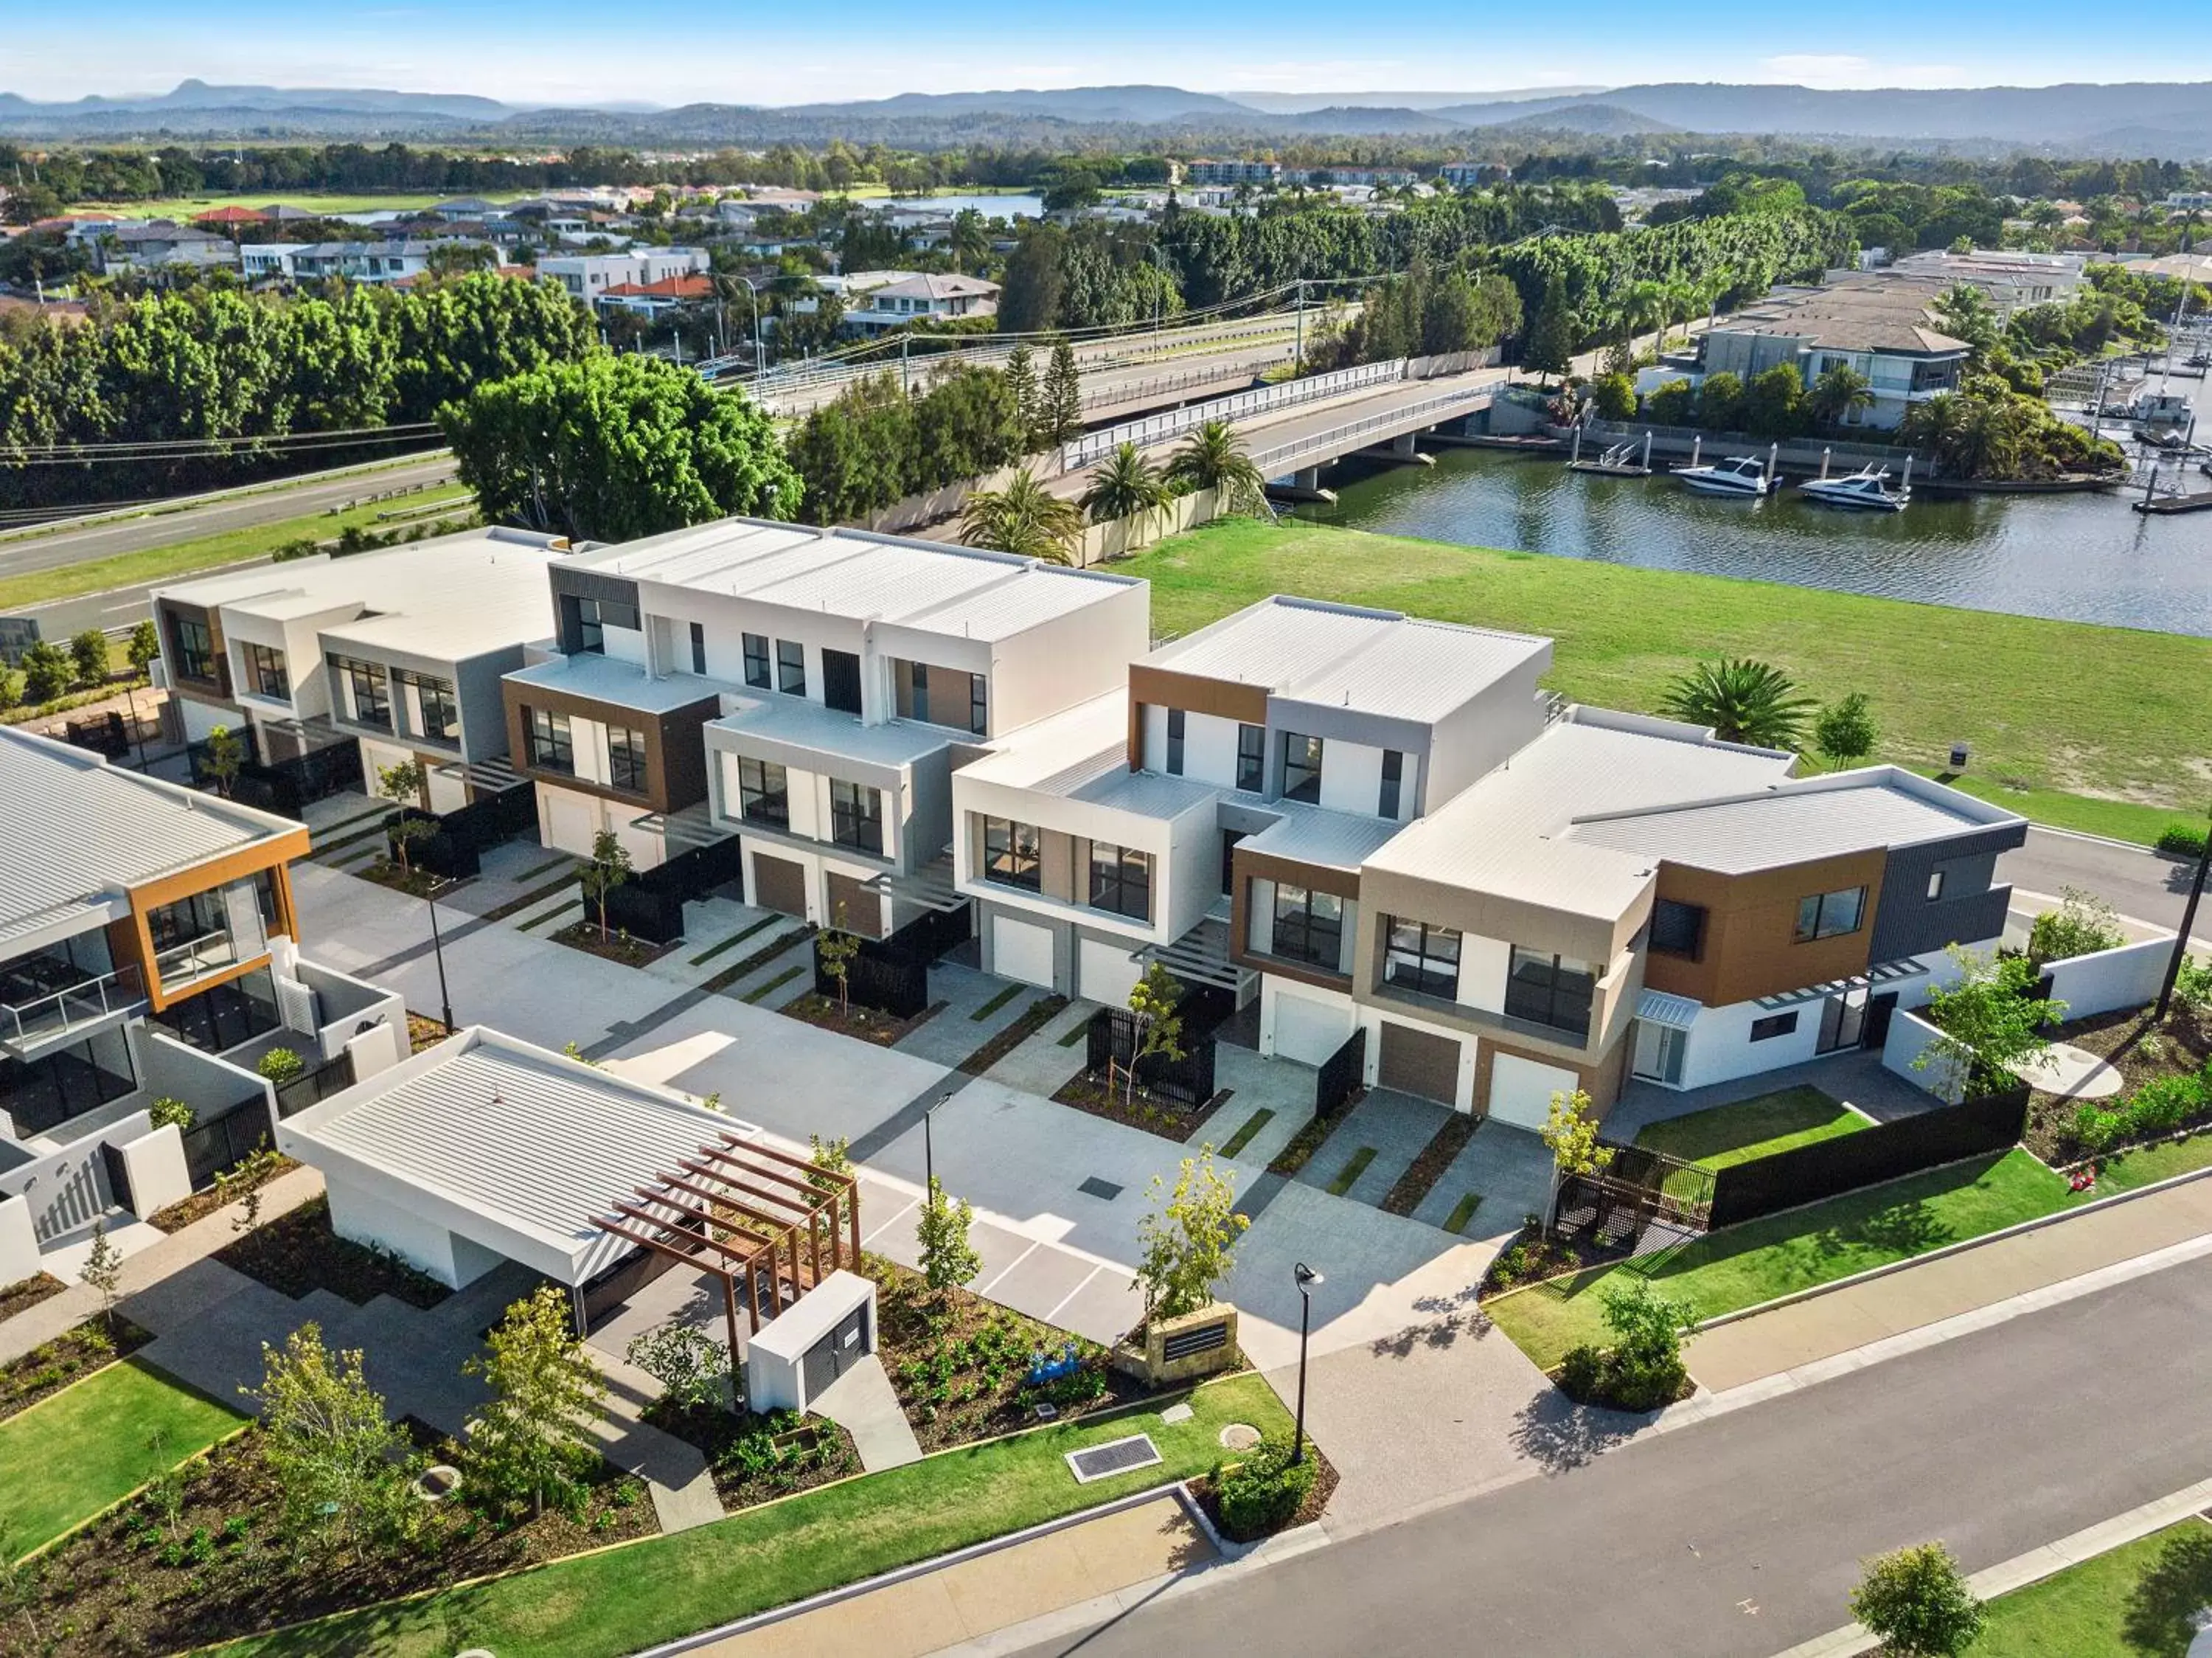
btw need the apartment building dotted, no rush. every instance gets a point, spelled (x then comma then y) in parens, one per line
(587, 276)
(812, 691)
(1879, 327)
(399, 651)
(1233, 173)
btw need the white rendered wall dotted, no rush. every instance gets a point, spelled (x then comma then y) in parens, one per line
(1351, 777)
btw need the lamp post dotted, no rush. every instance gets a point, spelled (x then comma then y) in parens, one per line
(2181, 936)
(438, 948)
(1305, 1277)
(928, 1150)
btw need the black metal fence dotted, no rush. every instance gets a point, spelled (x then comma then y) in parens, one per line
(455, 847)
(1985, 1123)
(288, 786)
(314, 1086)
(110, 733)
(929, 935)
(1114, 1038)
(650, 905)
(215, 1143)
(1340, 1074)
(894, 984)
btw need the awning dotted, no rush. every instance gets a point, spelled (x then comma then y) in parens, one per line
(1675, 1012)
(1881, 974)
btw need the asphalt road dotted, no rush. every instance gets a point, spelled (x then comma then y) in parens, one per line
(1740, 1537)
(2135, 883)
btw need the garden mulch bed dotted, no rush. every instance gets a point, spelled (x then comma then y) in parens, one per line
(424, 1031)
(1033, 1019)
(298, 1252)
(617, 946)
(1428, 1167)
(2140, 1053)
(201, 1205)
(416, 883)
(754, 1458)
(1169, 1120)
(22, 1296)
(130, 1583)
(1532, 1257)
(68, 1357)
(866, 1024)
(1308, 1140)
(1317, 1500)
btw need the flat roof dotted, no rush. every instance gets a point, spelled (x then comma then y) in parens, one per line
(1865, 313)
(795, 723)
(1314, 835)
(1083, 754)
(611, 679)
(75, 830)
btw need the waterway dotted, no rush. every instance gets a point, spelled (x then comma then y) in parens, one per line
(1007, 206)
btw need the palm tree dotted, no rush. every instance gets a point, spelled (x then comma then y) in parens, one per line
(1839, 392)
(1934, 425)
(971, 242)
(1987, 443)
(1743, 701)
(1214, 458)
(1642, 309)
(1125, 486)
(1024, 518)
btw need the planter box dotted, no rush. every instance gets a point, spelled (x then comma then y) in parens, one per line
(1168, 1351)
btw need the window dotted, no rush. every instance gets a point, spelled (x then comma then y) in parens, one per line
(372, 701)
(764, 793)
(698, 648)
(1175, 743)
(441, 716)
(1308, 926)
(756, 662)
(1780, 1024)
(270, 677)
(856, 815)
(1422, 958)
(791, 668)
(195, 648)
(1393, 777)
(1934, 885)
(1251, 758)
(841, 681)
(918, 689)
(1301, 767)
(595, 616)
(552, 748)
(626, 759)
(1549, 990)
(979, 704)
(1678, 929)
(1828, 915)
(1010, 854)
(1120, 882)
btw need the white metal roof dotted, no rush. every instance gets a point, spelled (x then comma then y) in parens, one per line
(1310, 834)
(795, 723)
(1660, 1007)
(1082, 753)
(611, 679)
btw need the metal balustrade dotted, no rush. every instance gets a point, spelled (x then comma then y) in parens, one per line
(75, 1007)
(1290, 393)
(1462, 402)
(209, 953)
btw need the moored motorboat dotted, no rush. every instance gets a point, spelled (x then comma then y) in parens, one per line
(1746, 475)
(1868, 488)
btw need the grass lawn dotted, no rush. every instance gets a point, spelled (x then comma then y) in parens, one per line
(1741, 1266)
(206, 553)
(1936, 674)
(2135, 1602)
(1753, 1128)
(628, 1597)
(2150, 1164)
(70, 1456)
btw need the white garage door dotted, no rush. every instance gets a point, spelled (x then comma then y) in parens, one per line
(1106, 972)
(570, 821)
(1521, 1090)
(1021, 950)
(1309, 1031)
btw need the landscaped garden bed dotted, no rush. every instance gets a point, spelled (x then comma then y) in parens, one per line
(2165, 1058)
(1033, 1019)
(1428, 1166)
(416, 883)
(1238, 1520)
(298, 1252)
(68, 1357)
(615, 945)
(251, 1175)
(754, 1458)
(21, 1296)
(1169, 1118)
(867, 1024)
(1308, 1140)
(424, 1031)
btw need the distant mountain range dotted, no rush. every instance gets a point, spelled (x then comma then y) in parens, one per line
(2164, 118)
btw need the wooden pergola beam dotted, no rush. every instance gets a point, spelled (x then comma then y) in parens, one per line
(815, 1196)
(767, 1231)
(634, 1213)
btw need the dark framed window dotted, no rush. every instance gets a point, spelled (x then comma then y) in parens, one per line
(1767, 1029)
(626, 759)
(1308, 926)
(1251, 758)
(1678, 929)
(764, 793)
(841, 681)
(1419, 957)
(1011, 854)
(856, 815)
(1301, 768)
(195, 643)
(756, 662)
(698, 648)
(918, 689)
(1174, 741)
(441, 715)
(552, 748)
(1394, 781)
(791, 668)
(1121, 880)
(979, 704)
(371, 699)
(595, 616)
(270, 676)
(1830, 915)
(1550, 989)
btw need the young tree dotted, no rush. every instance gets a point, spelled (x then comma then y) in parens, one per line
(224, 760)
(1743, 702)
(1551, 345)
(145, 648)
(534, 1436)
(1720, 402)
(1613, 397)
(1844, 731)
(1153, 999)
(689, 1364)
(1213, 457)
(1063, 395)
(1571, 1132)
(402, 784)
(88, 655)
(2082, 925)
(609, 868)
(47, 672)
(1187, 1241)
(835, 948)
(325, 1441)
(1989, 1025)
(1022, 379)
(1646, 1360)
(948, 1259)
(103, 1270)
(1916, 1601)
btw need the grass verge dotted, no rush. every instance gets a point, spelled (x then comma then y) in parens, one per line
(1244, 1136)
(1754, 1128)
(732, 942)
(996, 1003)
(627, 1598)
(1463, 1212)
(1353, 1168)
(2135, 1602)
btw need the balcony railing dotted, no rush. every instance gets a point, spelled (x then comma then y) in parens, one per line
(78, 1006)
(210, 953)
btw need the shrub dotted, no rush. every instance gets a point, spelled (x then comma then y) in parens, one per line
(281, 1065)
(1918, 1602)
(2192, 985)
(166, 1111)
(2082, 925)
(1261, 1494)
(2182, 839)
(1647, 1370)
(1582, 1375)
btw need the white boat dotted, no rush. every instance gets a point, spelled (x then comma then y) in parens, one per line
(1746, 475)
(1867, 488)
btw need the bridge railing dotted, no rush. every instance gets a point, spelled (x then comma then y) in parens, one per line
(1154, 429)
(1272, 461)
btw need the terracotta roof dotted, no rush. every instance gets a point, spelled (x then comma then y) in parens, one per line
(691, 287)
(232, 214)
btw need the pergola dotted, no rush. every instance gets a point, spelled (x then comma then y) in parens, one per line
(751, 1215)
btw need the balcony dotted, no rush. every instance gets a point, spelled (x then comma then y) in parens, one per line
(195, 959)
(29, 1019)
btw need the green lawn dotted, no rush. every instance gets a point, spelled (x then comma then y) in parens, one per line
(2135, 1602)
(2127, 733)
(2151, 1164)
(89, 1446)
(1741, 1266)
(1753, 1128)
(624, 1599)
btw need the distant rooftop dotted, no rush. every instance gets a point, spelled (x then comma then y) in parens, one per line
(1859, 315)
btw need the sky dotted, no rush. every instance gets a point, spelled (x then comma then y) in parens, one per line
(583, 52)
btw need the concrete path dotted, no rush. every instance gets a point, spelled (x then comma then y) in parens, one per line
(1770, 1343)
(862, 1402)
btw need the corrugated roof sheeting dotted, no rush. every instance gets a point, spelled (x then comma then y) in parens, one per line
(1790, 825)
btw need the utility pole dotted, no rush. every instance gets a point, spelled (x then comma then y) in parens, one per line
(1298, 354)
(2181, 937)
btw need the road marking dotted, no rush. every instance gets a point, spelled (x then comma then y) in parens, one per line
(985, 1288)
(1048, 1317)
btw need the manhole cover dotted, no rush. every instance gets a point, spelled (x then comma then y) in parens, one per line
(1239, 1437)
(1094, 1187)
(1117, 1456)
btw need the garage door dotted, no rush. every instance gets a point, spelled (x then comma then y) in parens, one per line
(1021, 950)
(1309, 1031)
(863, 911)
(780, 884)
(1107, 972)
(570, 821)
(1419, 1063)
(1521, 1090)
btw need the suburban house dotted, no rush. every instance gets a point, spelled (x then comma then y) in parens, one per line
(400, 652)
(152, 244)
(1233, 173)
(914, 297)
(373, 261)
(652, 298)
(810, 691)
(587, 276)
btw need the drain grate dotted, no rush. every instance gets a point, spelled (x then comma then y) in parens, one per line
(1094, 1187)
(1117, 1456)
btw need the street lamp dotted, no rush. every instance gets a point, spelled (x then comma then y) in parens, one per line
(2181, 935)
(928, 1151)
(438, 948)
(1305, 1277)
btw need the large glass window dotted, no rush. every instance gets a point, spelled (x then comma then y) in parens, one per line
(1011, 854)
(371, 698)
(442, 717)
(626, 758)
(764, 793)
(1678, 929)
(552, 748)
(1550, 989)
(979, 704)
(1828, 915)
(756, 662)
(1301, 767)
(1418, 956)
(221, 1017)
(595, 616)
(195, 644)
(841, 681)
(698, 648)
(272, 678)
(1308, 926)
(791, 668)
(856, 815)
(917, 675)
(1394, 779)
(1175, 721)
(1251, 758)
(1121, 880)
